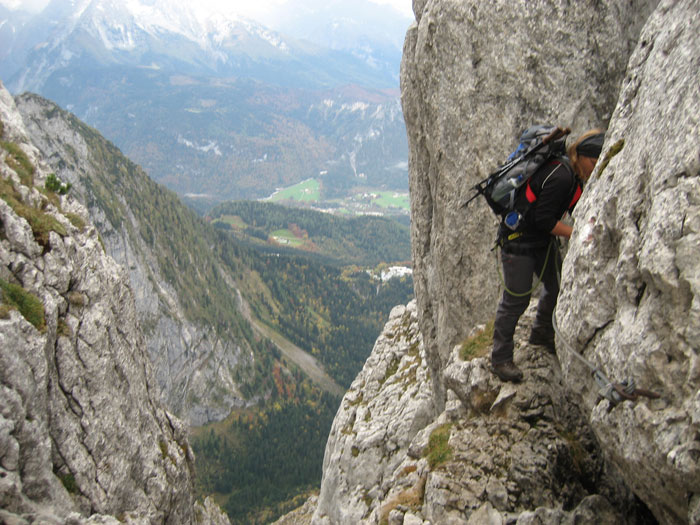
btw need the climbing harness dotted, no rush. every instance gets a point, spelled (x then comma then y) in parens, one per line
(539, 277)
(613, 392)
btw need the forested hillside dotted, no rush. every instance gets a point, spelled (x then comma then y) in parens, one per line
(313, 285)
(259, 464)
(334, 313)
(365, 240)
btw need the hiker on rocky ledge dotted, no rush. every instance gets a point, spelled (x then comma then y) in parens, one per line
(555, 189)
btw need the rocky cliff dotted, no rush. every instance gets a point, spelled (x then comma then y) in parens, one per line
(631, 300)
(83, 435)
(552, 449)
(474, 75)
(199, 369)
(496, 454)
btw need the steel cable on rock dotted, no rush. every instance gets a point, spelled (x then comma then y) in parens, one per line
(613, 392)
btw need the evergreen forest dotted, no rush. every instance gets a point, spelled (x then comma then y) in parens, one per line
(262, 463)
(364, 240)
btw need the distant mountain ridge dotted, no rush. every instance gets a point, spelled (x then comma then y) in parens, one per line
(170, 36)
(214, 106)
(374, 33)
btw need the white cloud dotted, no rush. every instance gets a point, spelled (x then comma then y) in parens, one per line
(404, 7)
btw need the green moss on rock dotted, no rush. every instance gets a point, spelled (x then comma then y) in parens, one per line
(14, 296)
(614, 150)
(69, 483)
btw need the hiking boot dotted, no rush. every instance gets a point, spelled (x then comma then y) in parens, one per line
(542, 339)
(507, 371)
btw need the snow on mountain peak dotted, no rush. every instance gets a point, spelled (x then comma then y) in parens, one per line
(115, 21)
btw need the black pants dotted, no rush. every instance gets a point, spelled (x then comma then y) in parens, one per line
(519, 266)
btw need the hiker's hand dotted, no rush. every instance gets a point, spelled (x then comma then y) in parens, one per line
(562, 230)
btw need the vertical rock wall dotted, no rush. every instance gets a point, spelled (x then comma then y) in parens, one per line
(474, 74)
(83, 436)
(631, 295)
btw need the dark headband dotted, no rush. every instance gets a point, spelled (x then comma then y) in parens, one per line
(592, 146)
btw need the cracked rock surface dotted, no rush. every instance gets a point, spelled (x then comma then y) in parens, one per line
(83, 435)
(631, 300)
(510, 454)
(474, 75)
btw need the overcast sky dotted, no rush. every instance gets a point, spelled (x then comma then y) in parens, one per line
(251, 8)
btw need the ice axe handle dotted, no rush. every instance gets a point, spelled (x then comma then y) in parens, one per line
(556, 134)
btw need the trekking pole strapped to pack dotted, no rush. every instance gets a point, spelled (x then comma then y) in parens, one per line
(537, 144)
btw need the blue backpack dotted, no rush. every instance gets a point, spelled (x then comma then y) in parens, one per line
(503, 187)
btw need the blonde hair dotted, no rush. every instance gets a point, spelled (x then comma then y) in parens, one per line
(573, 154)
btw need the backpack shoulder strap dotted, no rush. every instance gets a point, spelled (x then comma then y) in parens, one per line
(530, 194)
(577, 195)
(576, 189)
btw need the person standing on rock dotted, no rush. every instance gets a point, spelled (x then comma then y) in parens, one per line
(557, 187)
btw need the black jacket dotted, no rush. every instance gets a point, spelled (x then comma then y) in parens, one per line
(555, 189)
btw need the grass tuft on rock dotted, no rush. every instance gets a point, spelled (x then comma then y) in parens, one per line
(76, 220)
(391, 370)
(14, 296)
(439, 451)
(478, 344)
(41, 223)
(5, 311)
(19, 162)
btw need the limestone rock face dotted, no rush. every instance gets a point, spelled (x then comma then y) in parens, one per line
(83, 435)
(631, 294)
(386, 406)
(498, 453)
(197, 370)
(300, 516)
(474, 75)
(549, 450)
